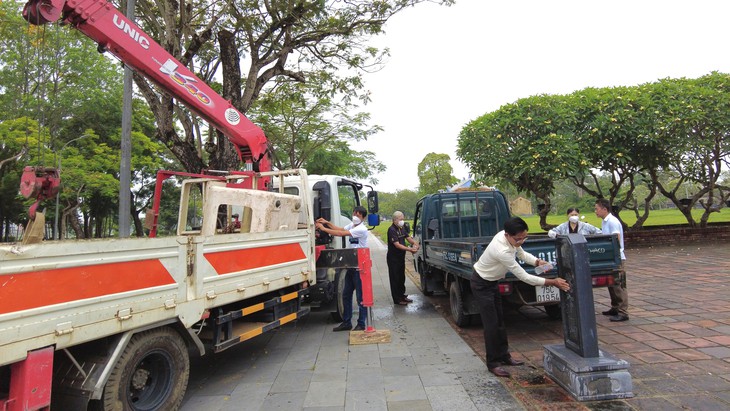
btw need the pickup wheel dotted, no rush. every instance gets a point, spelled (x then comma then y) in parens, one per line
(424, 282)
(457, 306)
(151, 374)
(554, 311)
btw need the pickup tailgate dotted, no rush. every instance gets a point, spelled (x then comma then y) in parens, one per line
(604, 253)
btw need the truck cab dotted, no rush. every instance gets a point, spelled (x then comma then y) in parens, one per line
(333, 198)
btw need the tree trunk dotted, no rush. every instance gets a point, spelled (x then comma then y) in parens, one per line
(138, 227)
(163, 108)
(69, 214)
(223, 155)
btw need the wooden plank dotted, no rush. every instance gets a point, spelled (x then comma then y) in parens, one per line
(375, 337)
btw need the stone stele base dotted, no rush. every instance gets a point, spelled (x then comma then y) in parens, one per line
(588, 379)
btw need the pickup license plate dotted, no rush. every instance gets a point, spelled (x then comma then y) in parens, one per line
(547, 294)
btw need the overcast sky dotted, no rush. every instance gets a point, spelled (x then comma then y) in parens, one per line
(450, 65)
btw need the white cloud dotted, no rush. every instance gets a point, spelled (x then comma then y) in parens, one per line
(449, 65)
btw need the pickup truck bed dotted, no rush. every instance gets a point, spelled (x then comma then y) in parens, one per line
(447, 264)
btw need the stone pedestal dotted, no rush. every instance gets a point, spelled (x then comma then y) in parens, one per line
(579, 366)
(588, 379)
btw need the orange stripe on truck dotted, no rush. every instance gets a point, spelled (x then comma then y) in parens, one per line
(225, 262)
(23, 291)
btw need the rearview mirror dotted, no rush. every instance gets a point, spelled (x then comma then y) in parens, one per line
(373, 202)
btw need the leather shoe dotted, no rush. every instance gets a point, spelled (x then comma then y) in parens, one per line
(343, 327)
(619, 317)
(359, 328)
(499, 372)
(612, 312)
(406, 299)
(512, 361)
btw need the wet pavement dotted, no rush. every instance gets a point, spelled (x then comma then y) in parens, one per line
(677, 339)
(306, 366)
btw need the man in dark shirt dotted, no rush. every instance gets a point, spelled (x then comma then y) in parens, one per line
(396, 258)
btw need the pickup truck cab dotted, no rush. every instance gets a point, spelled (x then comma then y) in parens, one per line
(454, 228)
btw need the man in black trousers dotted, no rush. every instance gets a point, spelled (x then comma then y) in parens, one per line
(493, 265)
(396, 258)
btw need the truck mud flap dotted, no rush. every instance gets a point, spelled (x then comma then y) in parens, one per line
(240, 325)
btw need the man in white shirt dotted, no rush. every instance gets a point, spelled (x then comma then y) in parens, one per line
(493, 265)
(619, 295)
(358, 233)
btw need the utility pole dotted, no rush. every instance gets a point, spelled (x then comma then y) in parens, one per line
(125, 167)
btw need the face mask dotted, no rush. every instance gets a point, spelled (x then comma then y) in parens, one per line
(574, 219)
(401, 223)
(356, 220)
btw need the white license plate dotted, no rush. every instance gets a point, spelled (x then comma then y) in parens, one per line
(547, 294)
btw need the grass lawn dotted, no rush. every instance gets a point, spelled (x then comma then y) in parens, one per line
(656, 217)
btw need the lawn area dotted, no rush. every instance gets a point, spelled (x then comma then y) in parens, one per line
(656, 217)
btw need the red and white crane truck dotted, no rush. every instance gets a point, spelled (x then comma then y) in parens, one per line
(110, 323)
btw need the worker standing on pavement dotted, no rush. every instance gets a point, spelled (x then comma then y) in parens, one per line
(358, 233)
(610, 224)
(396, 258)
(492, 266)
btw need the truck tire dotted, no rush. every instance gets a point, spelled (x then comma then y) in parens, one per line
(339, 286)
(424, 281)
(457, 306)
(554, 311)
(151, 374)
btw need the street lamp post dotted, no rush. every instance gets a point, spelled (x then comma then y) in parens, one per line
(56, 235)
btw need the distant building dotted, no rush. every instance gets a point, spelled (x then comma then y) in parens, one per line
(521, 206)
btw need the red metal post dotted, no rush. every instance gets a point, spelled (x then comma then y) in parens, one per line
(364, 265)
(30, 382)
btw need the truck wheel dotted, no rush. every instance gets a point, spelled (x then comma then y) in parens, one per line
(151, 374)
(457, 306)
(554, 311)
(424, 282)
(339, 286)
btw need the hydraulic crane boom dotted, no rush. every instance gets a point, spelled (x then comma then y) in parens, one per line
(103, 23)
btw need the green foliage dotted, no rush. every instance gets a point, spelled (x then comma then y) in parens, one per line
(307, 128)
(435, 173)
(622, 143)
(402, 200)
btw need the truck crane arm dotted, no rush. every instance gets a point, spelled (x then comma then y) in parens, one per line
(115, 33)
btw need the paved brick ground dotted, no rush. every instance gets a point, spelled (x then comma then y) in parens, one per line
(677, 340)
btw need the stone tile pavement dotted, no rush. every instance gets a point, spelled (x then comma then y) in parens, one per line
(306, 366)
(677, 340)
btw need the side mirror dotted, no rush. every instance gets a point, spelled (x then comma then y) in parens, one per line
(373, 220)
(373, 202)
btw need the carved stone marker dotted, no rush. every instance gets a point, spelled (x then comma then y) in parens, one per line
(579, 366)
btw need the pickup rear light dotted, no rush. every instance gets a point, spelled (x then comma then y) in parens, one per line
(505, 288)
(602, 280)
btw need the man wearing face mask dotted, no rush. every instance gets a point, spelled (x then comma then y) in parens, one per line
(396, 258)
(573, 225)
(358, 233)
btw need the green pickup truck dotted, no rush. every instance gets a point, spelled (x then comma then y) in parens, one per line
(454, 228)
